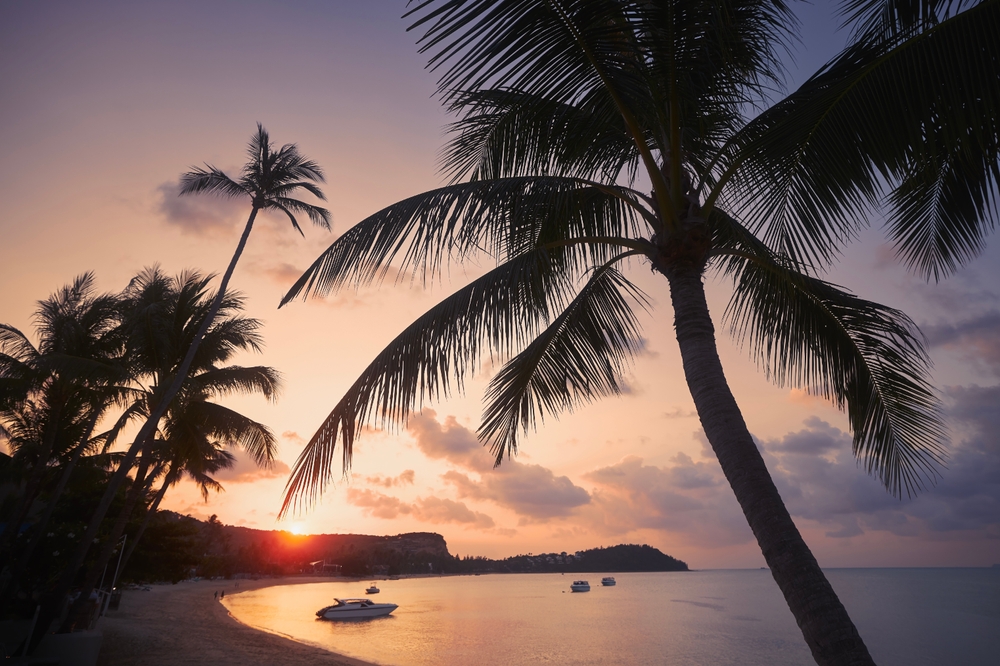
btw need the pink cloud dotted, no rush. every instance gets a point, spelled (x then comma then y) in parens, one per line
(433, 510)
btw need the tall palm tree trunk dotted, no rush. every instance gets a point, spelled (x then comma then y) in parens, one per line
(167, 482)
(822, 618)
(25, 556)
(50, 608)
(181, 375)
(108, 547)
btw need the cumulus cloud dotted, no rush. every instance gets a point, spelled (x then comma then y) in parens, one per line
(817, 438)
(977, 338)
(531, 491)
(201, 215)
(406, 478)
(832, 490)
(684, 497)
(449, 441)
(283, 273)
(245, 470)
(819, 479)
(434, 510)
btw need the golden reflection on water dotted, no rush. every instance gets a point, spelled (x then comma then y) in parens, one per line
(516, 619)
(907, 616)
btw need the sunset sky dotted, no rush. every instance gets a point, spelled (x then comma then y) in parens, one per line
(104, 104)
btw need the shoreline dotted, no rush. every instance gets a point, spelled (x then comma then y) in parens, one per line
(184, 624)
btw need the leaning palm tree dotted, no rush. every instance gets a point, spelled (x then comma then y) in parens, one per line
(271, 179)
(565, 107)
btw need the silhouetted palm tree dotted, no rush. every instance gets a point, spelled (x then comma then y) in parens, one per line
(56, 391)
(160, 317)
(563, 105)
(271, 179)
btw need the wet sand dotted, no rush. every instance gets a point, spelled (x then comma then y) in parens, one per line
(184, 624)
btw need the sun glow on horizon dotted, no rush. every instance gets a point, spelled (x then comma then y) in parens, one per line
(298, 529)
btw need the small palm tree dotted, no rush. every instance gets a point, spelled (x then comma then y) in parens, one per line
(563, 105)
(271, 179)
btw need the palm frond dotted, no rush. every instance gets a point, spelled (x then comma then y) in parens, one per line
(211, 179)
(579, 357)
(494, 315)
(883, 20)
(319, 216)
(508, 133)
(503, 217)
(239, 379)
(897, 116)
(16, 346)
(235, 429)
(865, 357)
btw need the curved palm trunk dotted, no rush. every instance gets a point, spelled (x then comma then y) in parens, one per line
(828, 630)
(108, 547)
(145, 521)
(50, 608)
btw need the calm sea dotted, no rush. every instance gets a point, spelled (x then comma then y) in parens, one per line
(907, 617)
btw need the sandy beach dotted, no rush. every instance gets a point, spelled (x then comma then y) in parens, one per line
(185, 624)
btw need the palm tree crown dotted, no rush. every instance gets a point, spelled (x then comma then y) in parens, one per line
(270, 178)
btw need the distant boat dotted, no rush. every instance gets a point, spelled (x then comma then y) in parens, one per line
(372, 589)
(608, 581)
(580, 586)
(350, 609)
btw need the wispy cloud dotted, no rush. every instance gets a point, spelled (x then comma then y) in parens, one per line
(434, 510)
(406, 478)
(202, 215)
(245, 470)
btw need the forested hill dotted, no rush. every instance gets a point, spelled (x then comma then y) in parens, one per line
(612, 559)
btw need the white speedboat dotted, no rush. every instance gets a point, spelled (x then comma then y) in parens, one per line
(580, 586)
(608, 581)
(349, 609)
(372, 589)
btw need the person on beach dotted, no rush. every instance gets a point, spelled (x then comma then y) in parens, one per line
(215, 595)
(223, 595)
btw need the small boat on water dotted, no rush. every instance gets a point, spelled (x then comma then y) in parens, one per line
(350, 609)
(608, 581)
(580, 586)
(372, 589)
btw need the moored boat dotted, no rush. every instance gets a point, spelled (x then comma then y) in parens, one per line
(608, 581)
(580, 586)
(349, 609)
(372, 589)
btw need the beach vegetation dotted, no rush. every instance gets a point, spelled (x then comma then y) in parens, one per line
(145, 332)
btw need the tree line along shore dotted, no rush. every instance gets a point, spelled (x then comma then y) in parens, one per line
(178, 547)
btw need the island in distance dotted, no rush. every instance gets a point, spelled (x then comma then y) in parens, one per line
(177, 547)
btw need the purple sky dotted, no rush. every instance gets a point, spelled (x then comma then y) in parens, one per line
(103, 106)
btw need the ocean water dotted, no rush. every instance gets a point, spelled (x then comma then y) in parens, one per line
(909, 617)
